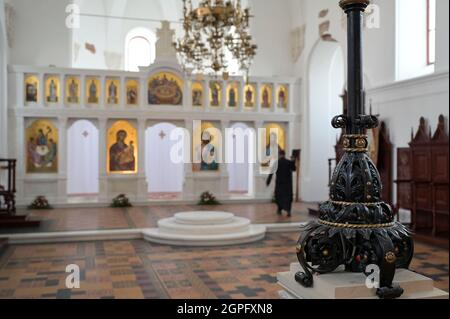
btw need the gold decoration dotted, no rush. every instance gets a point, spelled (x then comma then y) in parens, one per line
(73, 90)
(361, 143)
(206, 136)
(31, 89)
(165, 88)
(92, 90)
(390, 258)
(215, 94)
(232, 94)
(266, 96)
(197, 94)
(211, 30)
(350, 203)
(346, 143)
(132, 92)
(277, 129)
(356, 226)
(41, 142)
(250, 95)
(282, 97)
(122, 149)
(112, 91)
(52, 89)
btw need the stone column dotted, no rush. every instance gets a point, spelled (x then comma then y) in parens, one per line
(142, 186)
(257, 97)
(291, 97)
(223, 102)
(41, 95)
(224, 175)
(83, 91)
(21, 158)
(143, 98)
(206, 105)
(103, 175)
(241, 96)
(261, 191)
(187, 97)
(123, 93)
(62, 161)
(189, 182)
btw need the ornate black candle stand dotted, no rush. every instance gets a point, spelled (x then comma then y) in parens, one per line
(356, 228)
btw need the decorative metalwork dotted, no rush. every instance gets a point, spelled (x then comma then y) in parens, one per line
(214, 32)
(356, 228)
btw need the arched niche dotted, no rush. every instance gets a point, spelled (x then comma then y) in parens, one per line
(240, 158)
(326, 82)
(82, 158)
(164, 171)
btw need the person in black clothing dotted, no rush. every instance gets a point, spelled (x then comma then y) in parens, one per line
(284, 194)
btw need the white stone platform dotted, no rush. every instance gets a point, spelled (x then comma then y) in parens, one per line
(344, 285)
(204, 229)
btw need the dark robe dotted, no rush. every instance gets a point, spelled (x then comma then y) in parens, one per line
(284, 193)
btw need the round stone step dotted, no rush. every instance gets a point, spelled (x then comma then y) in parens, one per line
(203, 218)
(234, 225)
(205, 228)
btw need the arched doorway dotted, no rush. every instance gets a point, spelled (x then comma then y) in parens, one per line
(240, 165)
(82, 159)
(165, 178)
(326, 81)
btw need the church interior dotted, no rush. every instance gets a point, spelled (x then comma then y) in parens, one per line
(137, 138)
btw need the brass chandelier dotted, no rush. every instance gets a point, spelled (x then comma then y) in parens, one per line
(215, 32)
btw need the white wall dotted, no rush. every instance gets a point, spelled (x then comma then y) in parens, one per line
(41, 37)
(3, 81)
(271, 31)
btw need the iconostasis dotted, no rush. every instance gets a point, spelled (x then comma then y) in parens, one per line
(120, 104)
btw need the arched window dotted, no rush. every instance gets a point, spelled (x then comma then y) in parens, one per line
(415, 23)
(139, 49)
(431, 32)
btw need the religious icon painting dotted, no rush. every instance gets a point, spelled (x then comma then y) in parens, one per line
(275, 141)
(197, 94)
(122, 145)
(250, 95)
(52, 89)
(207, 141)
(165, 88)
(112, 91)
(92, 90)
(232, 95)
(31, 89)
(215, 94)
(282, 97)
(73, 90)
(132, 91)
(266, 96)
(41, 148)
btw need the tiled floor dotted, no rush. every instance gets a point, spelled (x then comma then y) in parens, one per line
(137, 269)
(74, 219)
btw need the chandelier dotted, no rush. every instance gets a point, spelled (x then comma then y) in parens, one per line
(215, 33)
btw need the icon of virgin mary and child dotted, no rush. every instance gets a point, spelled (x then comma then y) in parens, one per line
(121, 155)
